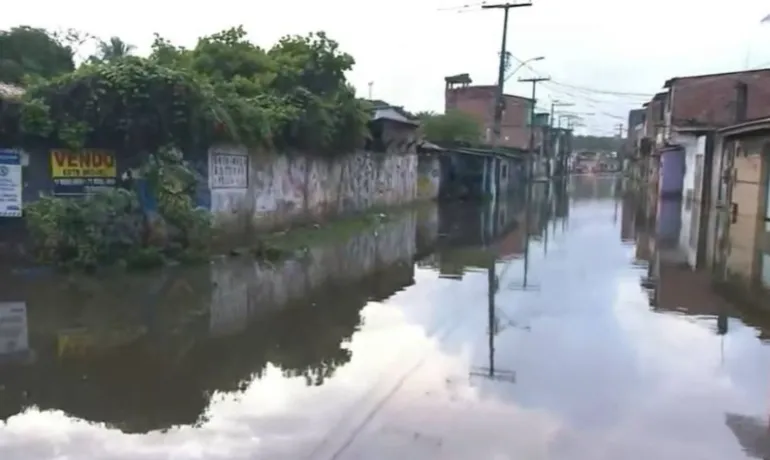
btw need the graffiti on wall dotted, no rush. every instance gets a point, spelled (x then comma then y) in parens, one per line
(82, 172)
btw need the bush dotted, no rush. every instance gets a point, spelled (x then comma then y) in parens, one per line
(111, 227)
(85, 233)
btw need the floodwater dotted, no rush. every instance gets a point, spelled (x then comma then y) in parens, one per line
(498, 332)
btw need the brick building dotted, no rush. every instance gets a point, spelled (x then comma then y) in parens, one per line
(479, 101)
(715, 99)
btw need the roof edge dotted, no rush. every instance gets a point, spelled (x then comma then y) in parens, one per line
(746, 127)
(673, 80)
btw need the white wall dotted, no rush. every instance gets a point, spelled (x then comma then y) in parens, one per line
(276, 190)
(694, 146)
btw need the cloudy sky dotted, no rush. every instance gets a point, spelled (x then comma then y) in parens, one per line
(604, 56)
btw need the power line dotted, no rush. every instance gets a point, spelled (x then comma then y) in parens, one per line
(460, 8)
(583, 88)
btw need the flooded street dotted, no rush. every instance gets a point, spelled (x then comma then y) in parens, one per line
(460, 332)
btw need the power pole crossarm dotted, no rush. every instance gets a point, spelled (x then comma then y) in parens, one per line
(504, 6)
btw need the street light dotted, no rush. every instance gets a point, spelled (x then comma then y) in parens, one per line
(522, 64)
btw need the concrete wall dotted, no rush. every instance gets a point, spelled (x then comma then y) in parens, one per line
(428, 176)
(694, 147)
(276, 190)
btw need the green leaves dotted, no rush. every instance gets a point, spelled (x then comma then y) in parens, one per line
(110, 227)
(28, 50)
(293, 96)
(226, 89)
(454, 126)
(130, 103)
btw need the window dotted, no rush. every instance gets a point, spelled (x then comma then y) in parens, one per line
(504, 171)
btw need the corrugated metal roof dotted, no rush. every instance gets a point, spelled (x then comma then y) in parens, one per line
(389, 113)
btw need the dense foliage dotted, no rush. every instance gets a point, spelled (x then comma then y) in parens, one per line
(453, 126)
(294, 96)
(32, 52)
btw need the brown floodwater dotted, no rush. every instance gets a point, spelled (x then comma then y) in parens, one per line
(520, 329)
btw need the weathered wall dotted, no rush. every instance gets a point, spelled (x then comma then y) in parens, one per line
(747, 194)
(688, 233)
(245, 291)
(269, 190)
(428, 176)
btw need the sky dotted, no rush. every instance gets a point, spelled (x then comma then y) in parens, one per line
(604, 56)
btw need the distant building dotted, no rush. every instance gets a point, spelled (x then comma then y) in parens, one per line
(479, 101)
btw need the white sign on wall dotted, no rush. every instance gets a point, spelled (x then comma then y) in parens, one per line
(13, 328)
(10, 183)
(228, 171)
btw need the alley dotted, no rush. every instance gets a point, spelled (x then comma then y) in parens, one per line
(499, 332)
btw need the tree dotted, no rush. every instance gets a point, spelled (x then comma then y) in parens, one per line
(28, 51)
(453, 126)
(226, 89)
(112, 50)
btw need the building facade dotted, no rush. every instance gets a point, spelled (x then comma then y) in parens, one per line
(741, 228)
(479, 101)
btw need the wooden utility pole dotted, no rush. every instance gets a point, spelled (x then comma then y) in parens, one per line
(534, 82)
(553, 151)
(620, 130)
(499, 102)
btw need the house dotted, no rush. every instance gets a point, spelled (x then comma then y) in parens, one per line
(680, 125)
(696, 105)
(741, 226)
(392, 129)
(479, 101)
(382, 109)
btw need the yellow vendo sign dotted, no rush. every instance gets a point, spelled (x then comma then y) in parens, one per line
(84, 163)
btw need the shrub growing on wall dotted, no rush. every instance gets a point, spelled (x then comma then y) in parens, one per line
(97, 230)
(111, 227)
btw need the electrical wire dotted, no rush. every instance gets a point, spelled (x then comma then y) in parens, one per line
(582, 88)
(463, 8)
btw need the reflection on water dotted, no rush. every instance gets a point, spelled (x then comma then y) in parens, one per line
(147, 352)
(549, 324)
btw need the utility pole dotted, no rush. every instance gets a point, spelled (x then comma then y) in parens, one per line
(553, 151)
(499, 102)
(620, 130)
(534, 82)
